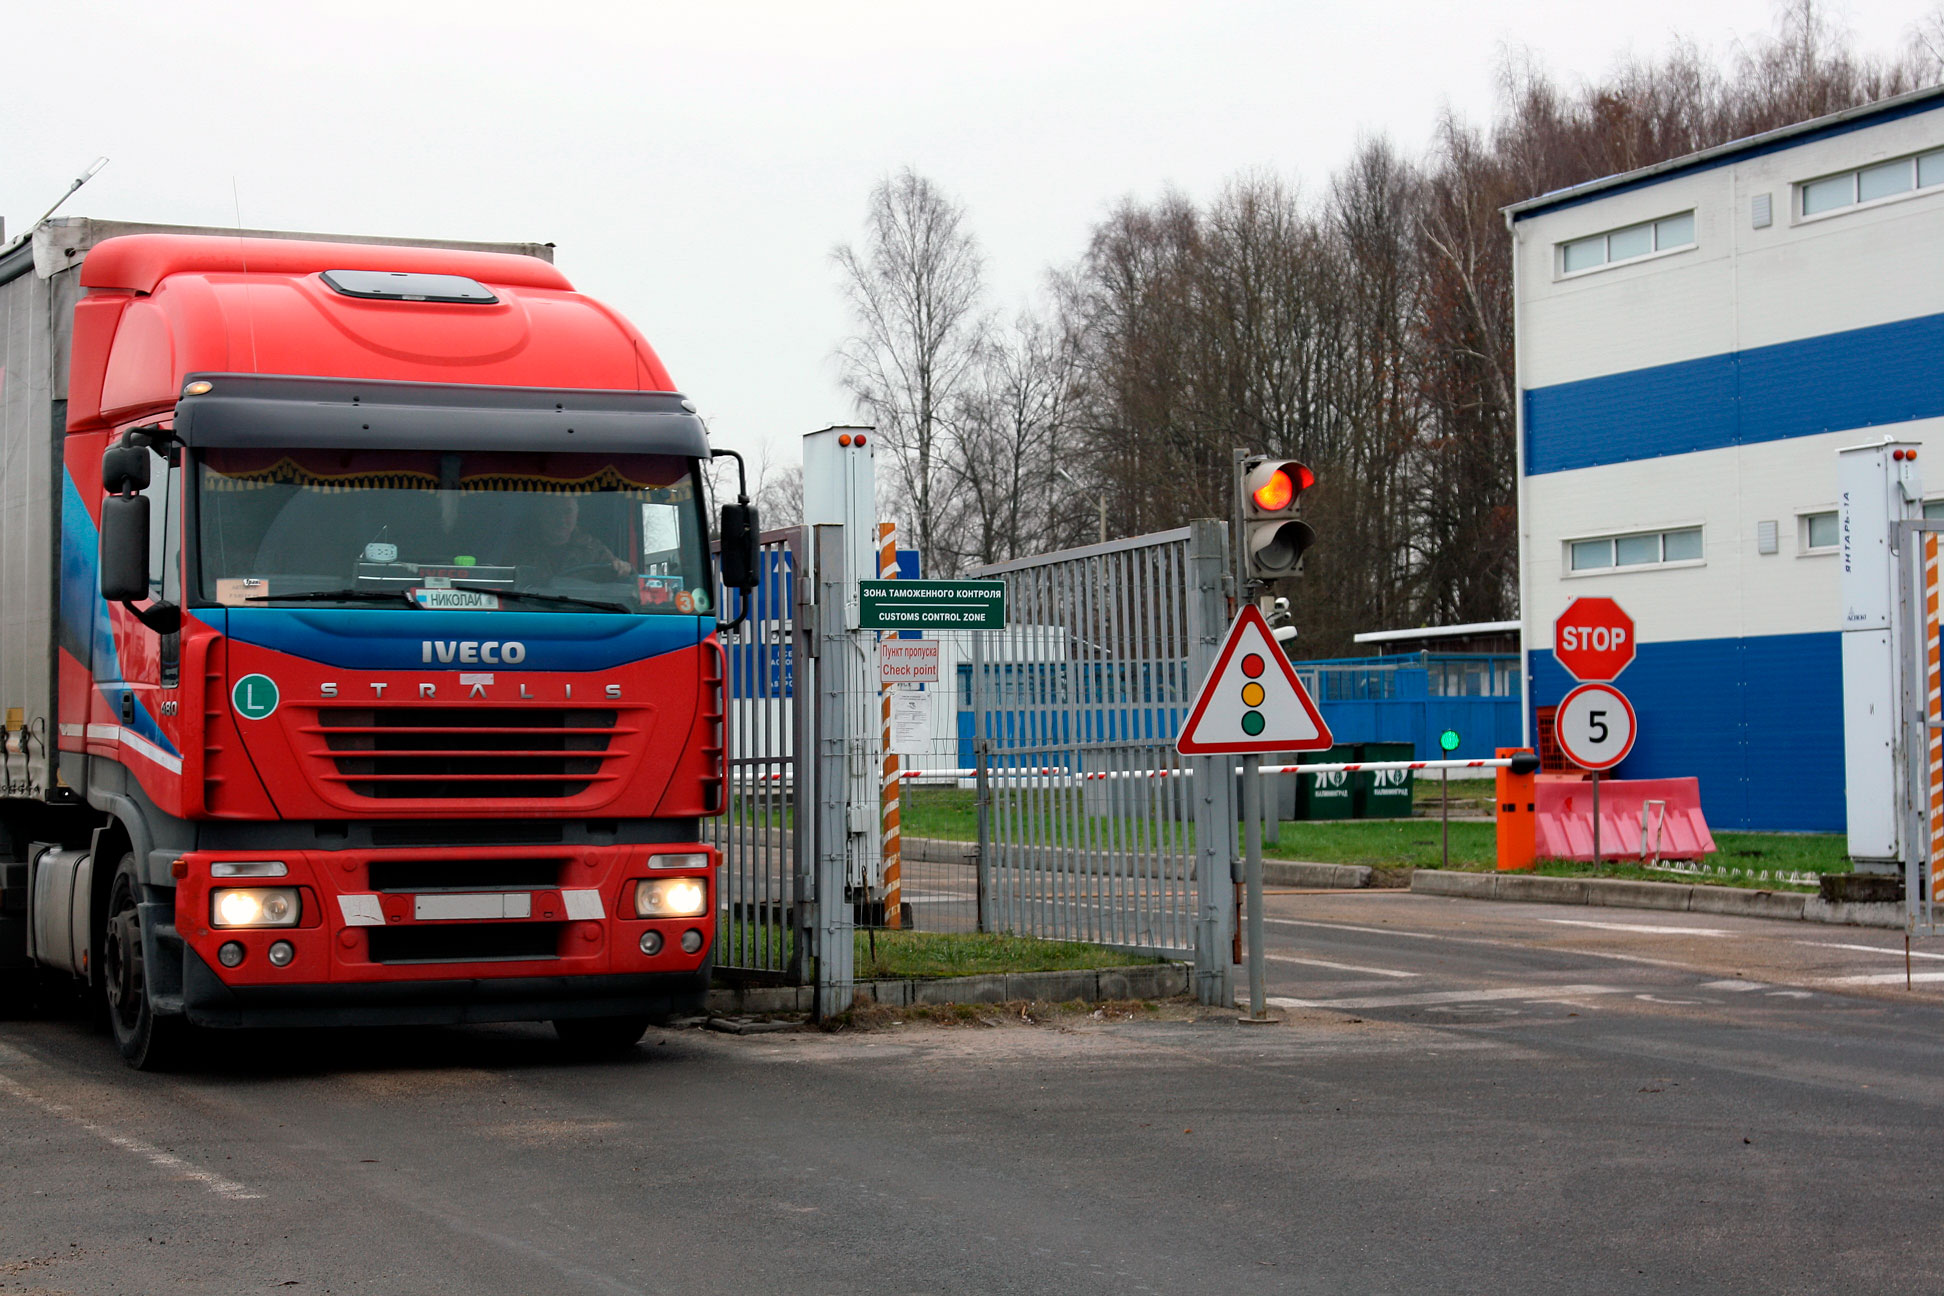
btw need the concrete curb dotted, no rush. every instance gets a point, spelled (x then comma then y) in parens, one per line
(1092, 985)
(1302, 874)
(1623, 894)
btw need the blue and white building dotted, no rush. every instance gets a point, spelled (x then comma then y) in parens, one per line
(1696, 341)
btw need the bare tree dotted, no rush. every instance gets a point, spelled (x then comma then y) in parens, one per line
(1366, 330)
(1010, 434)
(916, 289)
(778, 495)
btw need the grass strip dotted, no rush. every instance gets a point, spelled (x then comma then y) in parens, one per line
(952, 813)
(897, 955)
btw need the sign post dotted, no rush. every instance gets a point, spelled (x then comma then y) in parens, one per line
(1252, 703)
(1447, 743)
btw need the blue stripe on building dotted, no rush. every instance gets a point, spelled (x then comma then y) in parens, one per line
(1859, 378)
(1759, 721)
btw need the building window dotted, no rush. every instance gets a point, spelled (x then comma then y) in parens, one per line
(1629, 244)
(1638, 549)
(1871, 183)
(1933, 509)
(1816, 532)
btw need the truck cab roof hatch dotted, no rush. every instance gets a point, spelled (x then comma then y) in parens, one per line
(400, 285)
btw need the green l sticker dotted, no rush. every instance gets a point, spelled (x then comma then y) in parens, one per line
(255, 697)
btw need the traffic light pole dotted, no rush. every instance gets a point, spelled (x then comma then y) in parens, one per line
(1252, 834)
(1445, 815)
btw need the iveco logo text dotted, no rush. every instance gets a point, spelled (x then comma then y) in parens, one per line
(490, 652)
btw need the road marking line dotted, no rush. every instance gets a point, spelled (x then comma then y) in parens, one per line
(1869, 949)
(1529, 993)
(1885, 978)
(169, 1161)
(1637, 927)
(1732, 985)
(1374, 931)
(1488, 943)
(1341, 967)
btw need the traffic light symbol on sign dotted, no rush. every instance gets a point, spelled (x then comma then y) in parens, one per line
(1274, 538)
(1252, 694)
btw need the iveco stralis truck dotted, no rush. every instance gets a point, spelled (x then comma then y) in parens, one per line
(358, 652)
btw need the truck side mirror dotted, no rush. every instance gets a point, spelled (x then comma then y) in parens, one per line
(741, 543)
(125, 468)
(124, 546)
(125, 561)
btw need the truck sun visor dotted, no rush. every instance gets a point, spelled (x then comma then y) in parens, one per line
(397, 285)
(302, 412)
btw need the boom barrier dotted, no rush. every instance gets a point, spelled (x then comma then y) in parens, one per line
(1524, 763)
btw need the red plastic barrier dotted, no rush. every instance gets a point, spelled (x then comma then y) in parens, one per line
(1565, 827)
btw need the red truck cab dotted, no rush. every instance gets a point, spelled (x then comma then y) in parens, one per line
(389, 688)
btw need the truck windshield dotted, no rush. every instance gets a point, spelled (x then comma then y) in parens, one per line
(535, 532)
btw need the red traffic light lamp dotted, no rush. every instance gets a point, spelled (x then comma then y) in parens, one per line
(1273, 537)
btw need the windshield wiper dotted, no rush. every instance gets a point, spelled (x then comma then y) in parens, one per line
(568, 599)
(319, 596)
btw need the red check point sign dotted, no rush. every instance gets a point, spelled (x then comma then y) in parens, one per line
(1252, 702)
(1593, 639)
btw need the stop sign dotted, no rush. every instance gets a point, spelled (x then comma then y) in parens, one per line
(1593, 639)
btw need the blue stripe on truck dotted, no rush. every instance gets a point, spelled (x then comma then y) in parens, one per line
(415, 639)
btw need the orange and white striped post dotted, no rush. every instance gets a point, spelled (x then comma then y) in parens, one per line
(1934, 714)
(892, 837)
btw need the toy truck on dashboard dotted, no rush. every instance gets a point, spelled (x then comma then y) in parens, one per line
(358, 642)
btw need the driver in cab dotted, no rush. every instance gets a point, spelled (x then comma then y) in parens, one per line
(561, 548)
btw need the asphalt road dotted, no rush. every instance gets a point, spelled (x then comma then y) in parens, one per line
(1461, 1097)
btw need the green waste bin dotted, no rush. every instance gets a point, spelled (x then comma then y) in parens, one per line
(1383, 794)
(1327, 796)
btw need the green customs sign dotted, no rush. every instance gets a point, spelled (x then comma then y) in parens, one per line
(932, 605)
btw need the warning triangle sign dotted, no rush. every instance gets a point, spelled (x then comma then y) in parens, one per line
(1251, 701)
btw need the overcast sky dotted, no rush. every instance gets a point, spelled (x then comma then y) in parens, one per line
(695, 163)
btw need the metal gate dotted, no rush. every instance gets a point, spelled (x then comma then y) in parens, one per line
(764, 883)
(1091, 826)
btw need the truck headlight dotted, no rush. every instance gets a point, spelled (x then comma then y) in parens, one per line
(253, 907)
(671, 898)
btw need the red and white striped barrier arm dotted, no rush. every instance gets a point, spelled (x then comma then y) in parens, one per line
(1525, 763)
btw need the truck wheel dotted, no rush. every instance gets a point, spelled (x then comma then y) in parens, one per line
(600, 1034)
(147, 1042)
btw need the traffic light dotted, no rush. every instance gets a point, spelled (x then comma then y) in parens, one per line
(1273, 537)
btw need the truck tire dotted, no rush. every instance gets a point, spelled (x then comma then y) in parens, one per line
(147, 1042)
(599, 1035)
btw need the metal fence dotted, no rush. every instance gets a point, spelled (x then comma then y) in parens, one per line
(1079, 820)
(1091, 826)
(764, 879)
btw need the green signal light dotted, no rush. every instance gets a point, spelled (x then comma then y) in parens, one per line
(1448, 740)
(1252, 723)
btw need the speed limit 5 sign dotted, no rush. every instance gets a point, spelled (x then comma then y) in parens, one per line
(1595, 726)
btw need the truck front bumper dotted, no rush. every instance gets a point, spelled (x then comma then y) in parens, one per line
(451, 934)
(207, 1001)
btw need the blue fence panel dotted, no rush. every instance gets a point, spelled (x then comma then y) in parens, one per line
(1363, 699)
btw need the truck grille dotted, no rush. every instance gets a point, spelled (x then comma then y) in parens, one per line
(436, 753)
